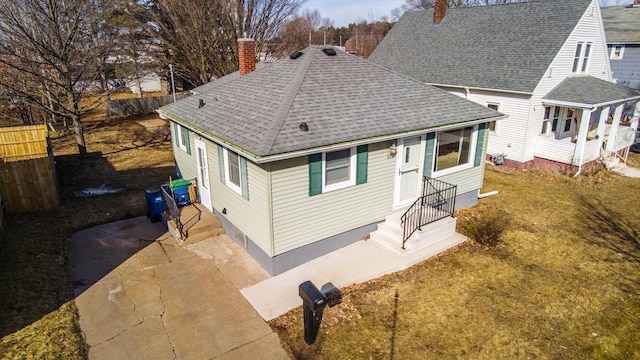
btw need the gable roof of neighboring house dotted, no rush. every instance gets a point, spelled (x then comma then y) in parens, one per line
(341, 98)
(588, 91)
(504, 47)
(621, 24)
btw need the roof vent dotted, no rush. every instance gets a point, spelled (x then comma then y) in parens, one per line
(304, 127)
(200, 103)
(296, 55)
(329, 51)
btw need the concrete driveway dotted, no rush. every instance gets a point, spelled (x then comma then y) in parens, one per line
(142, 296)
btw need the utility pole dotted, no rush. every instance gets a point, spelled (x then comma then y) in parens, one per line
(173, 85)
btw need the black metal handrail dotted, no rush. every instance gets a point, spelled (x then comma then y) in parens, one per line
(173, 209)
(437, 202)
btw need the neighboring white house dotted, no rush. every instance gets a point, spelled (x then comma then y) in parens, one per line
(543, 63)
(305, 155)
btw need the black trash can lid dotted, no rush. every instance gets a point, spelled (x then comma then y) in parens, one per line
(152, 190)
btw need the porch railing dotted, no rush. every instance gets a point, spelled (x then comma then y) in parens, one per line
(438, 200)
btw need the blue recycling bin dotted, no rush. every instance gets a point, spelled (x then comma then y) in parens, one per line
(154, 203)
(180, 190)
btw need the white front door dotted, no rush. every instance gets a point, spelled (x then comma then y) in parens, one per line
(568, 124)
(409, 170)
(203, 174)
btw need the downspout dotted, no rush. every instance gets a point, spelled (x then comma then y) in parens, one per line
(490, 193)
(466, 88)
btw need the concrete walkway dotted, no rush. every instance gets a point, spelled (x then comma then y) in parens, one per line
(628, 171)
(141, 296)
(356, 263)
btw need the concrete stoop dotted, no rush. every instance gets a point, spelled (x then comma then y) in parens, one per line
(437, 235)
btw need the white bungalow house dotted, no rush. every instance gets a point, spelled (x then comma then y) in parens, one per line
(543, 63)
(305, 155)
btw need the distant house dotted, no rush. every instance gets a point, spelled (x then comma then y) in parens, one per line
(622, 28)
(543, 63)
(308, 154)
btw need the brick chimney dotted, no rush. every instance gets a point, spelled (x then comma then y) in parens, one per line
(439, 11)
(636, 3)
(246, 55)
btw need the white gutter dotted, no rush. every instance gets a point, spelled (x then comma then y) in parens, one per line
(344, 145)
(588, 106)
(467, 88)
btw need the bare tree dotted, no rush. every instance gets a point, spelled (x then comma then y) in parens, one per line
(200, 36)
(51, 44)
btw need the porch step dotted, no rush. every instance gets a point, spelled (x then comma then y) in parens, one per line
(389, 234)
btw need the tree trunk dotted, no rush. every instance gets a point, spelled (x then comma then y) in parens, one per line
(77, 126)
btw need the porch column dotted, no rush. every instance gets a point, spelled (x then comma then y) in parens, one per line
(602, 125)
(581, 140)
(611, 141)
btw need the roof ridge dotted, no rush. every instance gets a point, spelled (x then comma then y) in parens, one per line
(289, 97)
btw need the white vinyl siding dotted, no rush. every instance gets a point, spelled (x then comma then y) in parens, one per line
(510, 138)
(300, 219)
(589, 29)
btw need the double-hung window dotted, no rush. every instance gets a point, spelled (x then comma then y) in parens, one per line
(338, 169)
(233, 171)
(581, 57)
(492, 125)
(616, 52)
(182, 137)
(232, 175)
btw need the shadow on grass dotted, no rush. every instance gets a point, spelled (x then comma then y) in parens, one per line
(608, 228)
(394, 327)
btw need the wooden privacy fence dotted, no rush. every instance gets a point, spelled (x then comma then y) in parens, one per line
(28, 178)
(139, 106)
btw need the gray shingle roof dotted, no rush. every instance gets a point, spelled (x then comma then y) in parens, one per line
(621, 24)
(341, 98)
(223, 80)
(505, 47)
(585, 89)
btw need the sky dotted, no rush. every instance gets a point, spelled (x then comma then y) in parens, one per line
(343, 12)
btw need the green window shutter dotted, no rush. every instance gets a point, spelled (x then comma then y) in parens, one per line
(244, 177)
(176, 135)
(362, 159)
(428, 154)
(187, 143)
(221, 163)
(482, 128)
(315, 174)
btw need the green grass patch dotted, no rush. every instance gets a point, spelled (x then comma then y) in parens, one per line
(38, 319)
(563, 284)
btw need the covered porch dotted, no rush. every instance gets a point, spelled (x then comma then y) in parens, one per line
(587, 119)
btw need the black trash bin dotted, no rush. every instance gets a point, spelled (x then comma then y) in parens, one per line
(154, 203)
